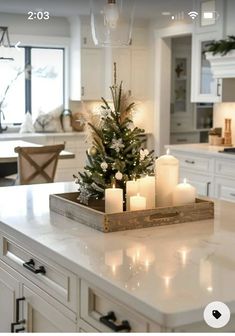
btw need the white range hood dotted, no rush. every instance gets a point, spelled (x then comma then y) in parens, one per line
(222, 66)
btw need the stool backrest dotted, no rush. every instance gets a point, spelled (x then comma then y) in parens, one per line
(37, 164)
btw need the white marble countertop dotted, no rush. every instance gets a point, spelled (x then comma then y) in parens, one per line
(202, 148)
(168, 274)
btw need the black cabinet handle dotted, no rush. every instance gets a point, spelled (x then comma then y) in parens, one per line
(218, 88)
(30, 266)
(208, 188)
(189, 161)
(13, 325)
(109, 319)
(18, 322)
(20, 329)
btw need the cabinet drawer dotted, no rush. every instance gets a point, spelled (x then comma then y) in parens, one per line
(225, 167)
(181, 138)
(225, 189)
(52, 278)
(96, 304)
(181, 124)
(194, 162)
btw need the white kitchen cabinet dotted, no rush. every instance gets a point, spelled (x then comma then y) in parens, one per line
(225, 189)
(92, 73)
(139, 74)
(204, 88)
(186, 137)
(40, 313)
(9, 291)
(105, 314)
(202, 182)
(211, 175)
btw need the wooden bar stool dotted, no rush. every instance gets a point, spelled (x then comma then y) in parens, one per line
(37, 164)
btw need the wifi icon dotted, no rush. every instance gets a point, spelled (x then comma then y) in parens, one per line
(193, 15)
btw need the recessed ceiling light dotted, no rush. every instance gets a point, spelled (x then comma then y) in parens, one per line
(166, 13)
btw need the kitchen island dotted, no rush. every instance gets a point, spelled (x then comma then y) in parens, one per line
(67, 275)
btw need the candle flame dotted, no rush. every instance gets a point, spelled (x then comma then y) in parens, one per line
(168, 151)
(185, 180)
(113, 185)
(138, 194)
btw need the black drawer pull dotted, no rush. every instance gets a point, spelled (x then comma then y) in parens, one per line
(190, 161)
(20, 329)
(30, 266)
(232, 194)
(109, 320)
(13, 325)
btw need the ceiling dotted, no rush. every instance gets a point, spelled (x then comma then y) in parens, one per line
(145, 9)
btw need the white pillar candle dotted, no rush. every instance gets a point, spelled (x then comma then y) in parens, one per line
(137, 203)
(132, 188)
(113, 200)
(167, 177)
(147, 189)
(184, 193)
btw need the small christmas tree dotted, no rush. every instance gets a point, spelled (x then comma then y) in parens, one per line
(116, 154)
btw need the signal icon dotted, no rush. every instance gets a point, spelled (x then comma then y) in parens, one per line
(193, 15)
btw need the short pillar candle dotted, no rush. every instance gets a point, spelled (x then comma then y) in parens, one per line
(184, 193)
(132, 188)
(113, 200)
(137, 203)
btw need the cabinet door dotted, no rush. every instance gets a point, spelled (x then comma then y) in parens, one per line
(42, 315)
(91, 74)
(204, 87)
(9, 291)
(139, 74)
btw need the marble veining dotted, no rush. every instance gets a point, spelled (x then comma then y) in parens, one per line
(174, 271)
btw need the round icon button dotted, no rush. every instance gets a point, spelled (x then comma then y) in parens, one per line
(217, 314)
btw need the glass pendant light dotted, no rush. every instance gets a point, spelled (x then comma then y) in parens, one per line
(112, 22)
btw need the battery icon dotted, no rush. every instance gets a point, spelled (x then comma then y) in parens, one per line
(208, 15)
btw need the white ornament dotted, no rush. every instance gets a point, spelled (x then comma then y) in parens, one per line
(117, 145)
(104, 166)
(143, 154)
(118, 175)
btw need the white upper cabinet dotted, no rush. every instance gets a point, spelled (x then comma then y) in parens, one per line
(205, 88)
(92, 72)
(139, 74)
(97, 66)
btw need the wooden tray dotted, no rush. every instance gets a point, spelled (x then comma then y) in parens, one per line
(93, 215)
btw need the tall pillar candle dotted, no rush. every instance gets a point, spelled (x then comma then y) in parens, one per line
(184, 193)
(147, 189)
(167, 177)
(132, 188)
(113, 200)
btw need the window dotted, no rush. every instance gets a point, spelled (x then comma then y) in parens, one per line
(46, 80)
(12, 80)
(41, 90)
